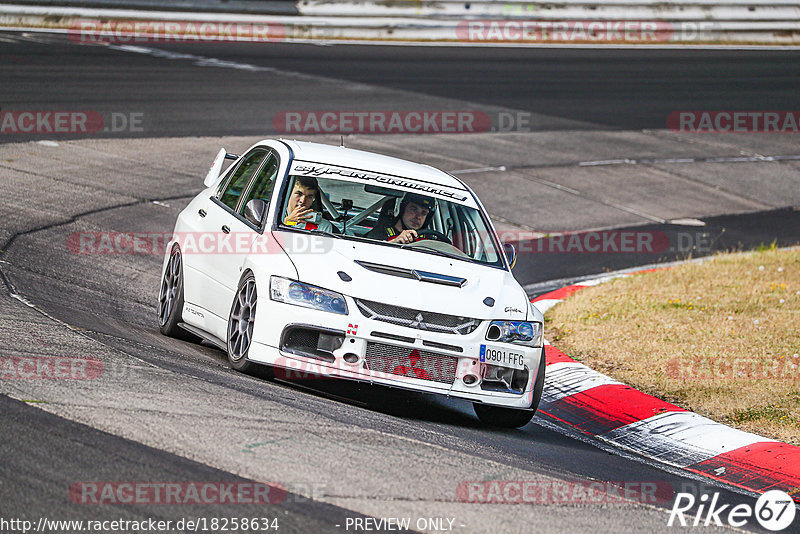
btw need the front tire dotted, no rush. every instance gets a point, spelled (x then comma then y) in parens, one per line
(502, 417)
(510, 417)
(170, 299)
(241, 322)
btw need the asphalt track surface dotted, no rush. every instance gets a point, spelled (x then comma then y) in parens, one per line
(563, 88)
(168, 410)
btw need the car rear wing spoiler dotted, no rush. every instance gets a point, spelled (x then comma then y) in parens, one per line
(216, 167)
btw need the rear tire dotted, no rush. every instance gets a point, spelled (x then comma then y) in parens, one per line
(170, 299)
(509, 417)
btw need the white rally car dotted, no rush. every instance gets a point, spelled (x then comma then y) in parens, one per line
(327, 261)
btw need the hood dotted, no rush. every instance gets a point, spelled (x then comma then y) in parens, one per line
(367, 265)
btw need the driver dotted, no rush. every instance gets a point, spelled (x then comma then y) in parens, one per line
(300, 207)
(415, 213)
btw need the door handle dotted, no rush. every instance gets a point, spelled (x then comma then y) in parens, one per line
(225, 229)
(202, 213)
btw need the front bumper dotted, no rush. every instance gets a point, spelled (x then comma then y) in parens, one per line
(367, 350)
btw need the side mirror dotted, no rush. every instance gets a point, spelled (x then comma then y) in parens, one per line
(255, 212)
(216, 168)
(511, 254)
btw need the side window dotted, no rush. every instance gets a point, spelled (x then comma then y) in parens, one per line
(265, 181)
(241, 177)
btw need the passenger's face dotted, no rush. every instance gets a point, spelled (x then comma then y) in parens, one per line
(301, 196)
(414, 216)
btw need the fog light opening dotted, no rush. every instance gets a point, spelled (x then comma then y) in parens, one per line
(351, 358)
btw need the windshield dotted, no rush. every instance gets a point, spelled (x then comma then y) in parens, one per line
(380, 214)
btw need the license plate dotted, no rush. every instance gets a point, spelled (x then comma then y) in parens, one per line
(502, 356)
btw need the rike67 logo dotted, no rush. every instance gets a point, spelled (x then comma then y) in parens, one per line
(774, 510)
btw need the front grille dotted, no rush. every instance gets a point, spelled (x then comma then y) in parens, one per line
(421, 320)
(410, 362)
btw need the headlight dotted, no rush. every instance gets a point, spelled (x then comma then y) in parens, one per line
(522, 332)
(308, 296)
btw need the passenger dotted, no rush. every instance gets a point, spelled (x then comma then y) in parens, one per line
(415, 213)
(301, 206)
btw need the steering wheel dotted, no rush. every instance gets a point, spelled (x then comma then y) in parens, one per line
(432, 234)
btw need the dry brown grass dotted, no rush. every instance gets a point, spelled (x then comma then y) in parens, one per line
(720, 338)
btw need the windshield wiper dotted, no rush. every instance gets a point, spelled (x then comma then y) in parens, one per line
(436, 251)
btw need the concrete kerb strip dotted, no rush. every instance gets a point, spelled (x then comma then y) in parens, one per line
(614, 413)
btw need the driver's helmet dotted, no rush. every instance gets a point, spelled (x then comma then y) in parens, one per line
(419, 200)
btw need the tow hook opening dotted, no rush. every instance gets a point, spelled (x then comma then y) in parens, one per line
(470, 379)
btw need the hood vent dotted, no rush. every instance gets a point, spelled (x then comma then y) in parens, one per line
(414, 274)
